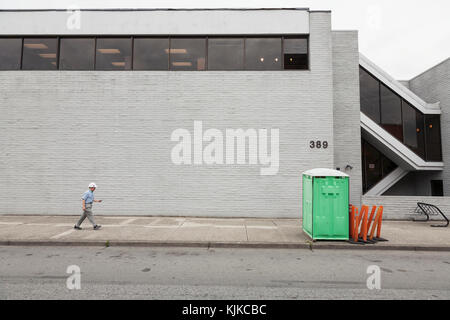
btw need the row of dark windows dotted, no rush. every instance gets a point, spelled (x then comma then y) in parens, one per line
(419, 132)
(155, 53)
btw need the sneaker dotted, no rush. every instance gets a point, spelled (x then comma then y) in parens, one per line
(77, 227)
(97, 227)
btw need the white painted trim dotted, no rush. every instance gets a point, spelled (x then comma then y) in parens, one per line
(397, 87)
(387, 182)
(411, 160)
(170, 22)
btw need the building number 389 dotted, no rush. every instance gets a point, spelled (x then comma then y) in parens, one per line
(318, 144)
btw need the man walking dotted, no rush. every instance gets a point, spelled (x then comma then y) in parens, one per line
(86, 200)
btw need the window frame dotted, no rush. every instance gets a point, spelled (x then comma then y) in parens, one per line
(265, 36)
(378, 120)
(21, 38)
(225, 37)
(113, 37)
(196, 37)
(433, 188)
(308, 55)
(132, 37)
(40, 37)
(77, 37)
(382, 158)
(426, 133)
(150, 37)
(380, 99)
(421, 152)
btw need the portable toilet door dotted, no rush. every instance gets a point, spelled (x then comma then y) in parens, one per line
(325, 204)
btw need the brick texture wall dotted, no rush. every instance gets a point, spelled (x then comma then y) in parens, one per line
(347, 130)
(403, 208)
(61, 130)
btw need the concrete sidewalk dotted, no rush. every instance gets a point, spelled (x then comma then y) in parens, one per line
(205, 232)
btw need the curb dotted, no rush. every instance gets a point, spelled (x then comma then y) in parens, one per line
(242, 245)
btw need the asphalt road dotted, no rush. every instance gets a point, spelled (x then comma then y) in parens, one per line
(189, 273)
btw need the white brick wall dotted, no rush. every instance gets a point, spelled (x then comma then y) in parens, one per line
(347, 129)
(402, 208)
(156, 22)
(61, 130)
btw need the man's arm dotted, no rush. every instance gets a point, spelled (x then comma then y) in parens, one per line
(83, 202)
(98, 200)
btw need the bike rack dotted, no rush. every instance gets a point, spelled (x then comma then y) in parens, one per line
(430, 209)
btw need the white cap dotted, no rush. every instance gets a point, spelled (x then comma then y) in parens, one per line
(92, 185)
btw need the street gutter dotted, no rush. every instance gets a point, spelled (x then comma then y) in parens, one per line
(237, 245)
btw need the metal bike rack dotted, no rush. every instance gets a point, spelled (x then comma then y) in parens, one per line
(430, 210)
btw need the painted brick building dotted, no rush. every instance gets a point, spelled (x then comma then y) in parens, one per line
(98, 95)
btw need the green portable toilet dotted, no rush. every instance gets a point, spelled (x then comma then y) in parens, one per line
(325, 204)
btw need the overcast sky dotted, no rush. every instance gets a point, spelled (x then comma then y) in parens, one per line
(404, 37)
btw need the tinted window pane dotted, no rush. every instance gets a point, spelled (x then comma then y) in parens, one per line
(10, 53)
(391, 112)
(363, 162)
(370, 99)
(225, 54)
(387, 166)
(263, 54)
(376, 166)
(187, 54)
(372, 164)
(151, 54)
(296, 54)
(40, 54)
(77, 54)
(413, 130)
(437, 188)
(113, 54)
(433, 137)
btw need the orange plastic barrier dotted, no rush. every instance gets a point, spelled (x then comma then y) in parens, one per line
(374, 208)
(377, 224)
(364, 214)
(363, 225)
